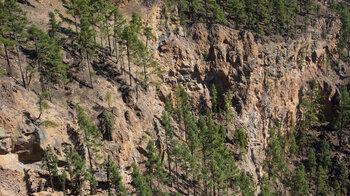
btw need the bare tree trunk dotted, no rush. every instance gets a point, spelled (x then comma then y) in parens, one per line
(77, 32)
(9, 70)
(128, 54)
(39, 66)
(20, 62)
(108, 39)
(88, 63)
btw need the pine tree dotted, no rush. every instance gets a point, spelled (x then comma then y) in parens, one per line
(299, 186)
(175, 152)
(86, 39)
(49, 162)
(169, 133)
(312, 165)
(197, 10)
(91, 136)
(118, 25)
(228, 105)
(114, 179)
(344, 41)
(265, 187)
(262, 15)
(49, 58)
(292, 145)
(183, 106)
(139, 182)
(312, 107)
(63, 180)
(89, 176)
(275, 155)
(54, 26)
(76, 169)
(4, 39)
(343, 113)
(42, 102)
(135, 50)
(236, 11)
(324, 155)
(344, 179)
(246, 185)
(322, 187)
(16, 23)
(154, 166)
(240, 139)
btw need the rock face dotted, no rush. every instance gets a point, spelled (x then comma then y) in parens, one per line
(267, 78)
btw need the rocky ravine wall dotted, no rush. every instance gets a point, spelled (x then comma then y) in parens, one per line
(267, 78)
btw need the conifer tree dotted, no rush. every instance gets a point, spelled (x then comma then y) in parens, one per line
(343, 113)
(183, 106)
(16, 23)
(240, 139)
(91, 136)
(245, 184)
(49, 162)
(265, 187)
(324, 155)
(299, 185)
(275, 155)
(236, 11)
(154, 165)
(197, 10)
(4, 39)
(344, 179)
(169, 133)
(262, 15)
(89, 176)
(214, 98)
(116, 180)
(139, 182)
(135, 49)
(118, 24)
(54, 26)
(42, 102)
(322, 187)
(49, 58)
(175, 152)
(228, 105)
(113, 177)
(63, 179)
(86, 39)
(76, 169)
(292, 145)
(312, 166)
(312, 107)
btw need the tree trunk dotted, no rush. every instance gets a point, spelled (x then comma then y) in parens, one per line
(128, 54)
(39, 66)
(20, 62)
(108, 178)
(77, 32)
(176, 173)
(108, 39)
(9, 70)
(88, 63)
(122, 61)
(101, 34)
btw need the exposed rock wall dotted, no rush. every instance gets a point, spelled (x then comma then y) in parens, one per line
(267, 76)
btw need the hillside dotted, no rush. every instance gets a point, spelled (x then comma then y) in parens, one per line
(174, 97)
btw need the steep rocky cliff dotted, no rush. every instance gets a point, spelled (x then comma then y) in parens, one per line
(267, 75)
